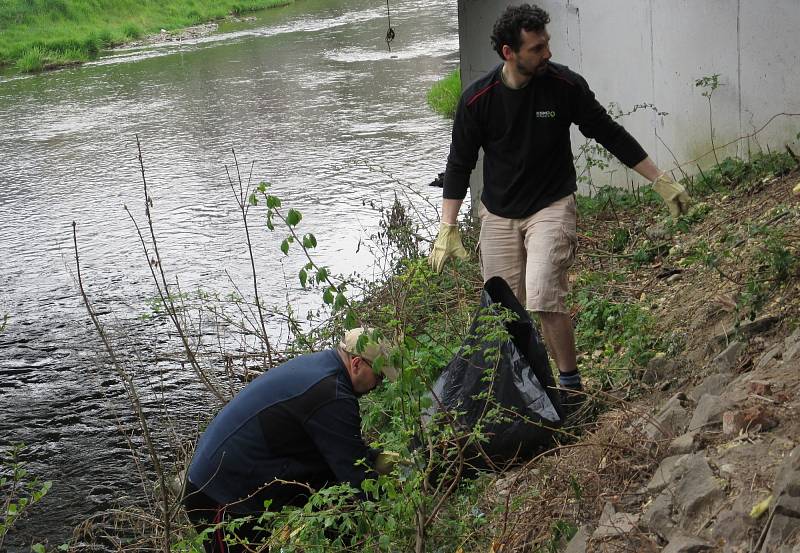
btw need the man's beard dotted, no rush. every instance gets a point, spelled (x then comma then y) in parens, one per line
(537, 70)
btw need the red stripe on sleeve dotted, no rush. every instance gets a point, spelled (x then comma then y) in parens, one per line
(481, 92)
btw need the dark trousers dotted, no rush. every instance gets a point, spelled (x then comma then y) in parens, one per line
(206, 513)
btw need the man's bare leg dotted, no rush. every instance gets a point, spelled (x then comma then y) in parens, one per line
(559, 337)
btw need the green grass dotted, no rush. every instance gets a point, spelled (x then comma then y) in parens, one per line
(38, 34)
(443, 95)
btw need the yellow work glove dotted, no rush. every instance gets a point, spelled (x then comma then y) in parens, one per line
(673, 194)
(796, 190)
(385, 462)
(448, 244)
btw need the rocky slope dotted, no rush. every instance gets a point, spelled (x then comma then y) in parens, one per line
(708, 457)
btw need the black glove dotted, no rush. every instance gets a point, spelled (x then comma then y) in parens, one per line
(438, 181)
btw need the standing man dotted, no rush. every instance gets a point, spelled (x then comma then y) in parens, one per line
(294, 429)
(520, 114)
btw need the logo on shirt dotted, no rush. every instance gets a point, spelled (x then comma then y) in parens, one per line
(545, 114)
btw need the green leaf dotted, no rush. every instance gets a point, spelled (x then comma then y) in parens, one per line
(37, 548)
(63, 547)
(273, 202)
(350, 320)
(253, 199)
(327, 296)
(361, 343)
(270, 226)
(368, 485)
(322, 274)
(12, 509)
(340, 301)
(309, 241)
(262, 187)
(293, 218)
(384, 541)
(285, 247)
(303, 277)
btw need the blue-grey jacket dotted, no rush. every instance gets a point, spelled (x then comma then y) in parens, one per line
(296, 422)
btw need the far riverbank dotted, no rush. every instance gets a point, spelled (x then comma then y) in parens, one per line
(38, 36)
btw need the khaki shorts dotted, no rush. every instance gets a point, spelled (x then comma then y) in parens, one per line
(533, 254)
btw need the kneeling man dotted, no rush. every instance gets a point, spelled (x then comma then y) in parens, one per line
(293, 429)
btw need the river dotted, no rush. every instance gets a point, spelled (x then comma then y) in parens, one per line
(307, 95)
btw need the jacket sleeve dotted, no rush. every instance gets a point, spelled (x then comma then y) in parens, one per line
(594, 122)
(335, 428)
(466, 141)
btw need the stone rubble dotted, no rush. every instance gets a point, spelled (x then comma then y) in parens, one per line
(730, 442)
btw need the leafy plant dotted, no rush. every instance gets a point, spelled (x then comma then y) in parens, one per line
(561, 532)
(709, 84)
(19, 491)
(619, 239)
(444, 94)
(619, 332)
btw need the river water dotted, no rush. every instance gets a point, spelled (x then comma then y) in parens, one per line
(308, 96)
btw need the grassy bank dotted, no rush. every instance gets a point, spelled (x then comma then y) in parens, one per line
(39, 34)
(443, 95)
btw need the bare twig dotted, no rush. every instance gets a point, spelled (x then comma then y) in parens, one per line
(133, 395)
(162, 287)
(242, 200)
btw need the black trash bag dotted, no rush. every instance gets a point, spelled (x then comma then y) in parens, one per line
(523, 383)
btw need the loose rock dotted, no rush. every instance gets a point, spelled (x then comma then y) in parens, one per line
(714, 385)
(709, 411)
(578, 542)
(685, 443)
(726, 361)
(619, 524)
(657, 518)
(670, 421)
(733, 529)
(684, 543)
(697, 492)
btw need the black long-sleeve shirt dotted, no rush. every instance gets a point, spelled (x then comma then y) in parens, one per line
(524, 133)
(298, 422)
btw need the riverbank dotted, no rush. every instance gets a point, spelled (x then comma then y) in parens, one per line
(43, 35)
(687, 328)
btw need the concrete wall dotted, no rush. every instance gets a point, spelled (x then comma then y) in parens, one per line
(635, 52)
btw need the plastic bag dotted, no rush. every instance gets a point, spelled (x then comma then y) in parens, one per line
(521, 385)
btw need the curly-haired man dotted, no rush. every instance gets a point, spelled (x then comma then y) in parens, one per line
(520, 113)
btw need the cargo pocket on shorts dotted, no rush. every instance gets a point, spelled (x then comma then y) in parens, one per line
(562, 251)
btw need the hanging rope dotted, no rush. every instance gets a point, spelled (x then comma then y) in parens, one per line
(389, 31)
